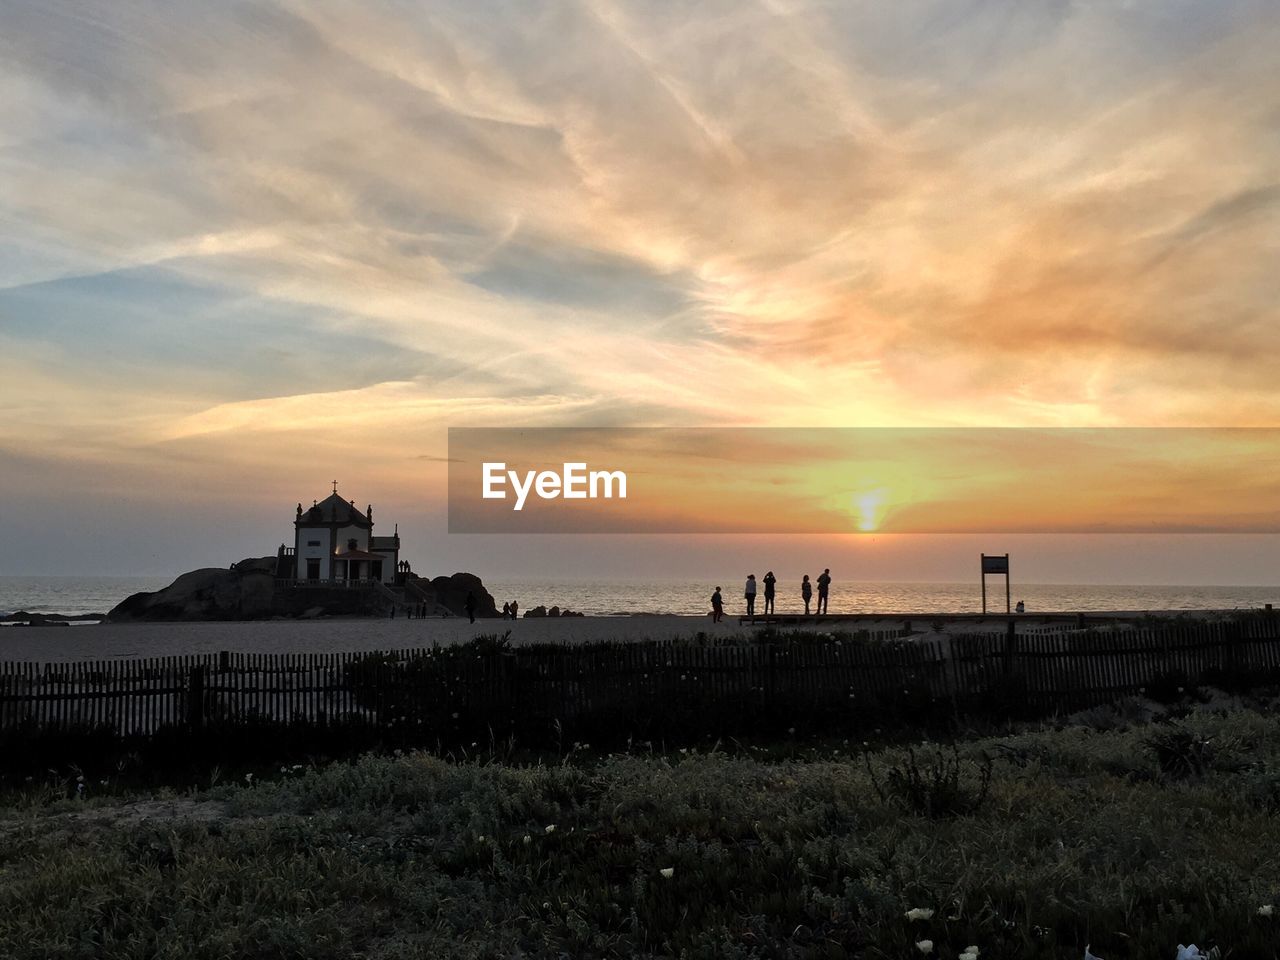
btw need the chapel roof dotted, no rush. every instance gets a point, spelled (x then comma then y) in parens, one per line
(334, 510)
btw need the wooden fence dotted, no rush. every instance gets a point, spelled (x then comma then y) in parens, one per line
(447, 691)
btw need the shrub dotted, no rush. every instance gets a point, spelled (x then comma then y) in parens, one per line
(1182, 753)
(935, 790)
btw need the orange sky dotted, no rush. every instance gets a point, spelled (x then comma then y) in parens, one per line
(246, 250)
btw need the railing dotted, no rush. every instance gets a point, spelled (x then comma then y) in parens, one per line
(364, 583)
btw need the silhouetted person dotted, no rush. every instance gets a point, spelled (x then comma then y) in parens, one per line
(471, 606)
(515, 609)
(717, 606)
(770, 581)
(1020, 608)
(824, 588)
(749, 592)
(506, 611)
(806, 593)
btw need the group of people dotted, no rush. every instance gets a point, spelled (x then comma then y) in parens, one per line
(511, 611)
(770, 592)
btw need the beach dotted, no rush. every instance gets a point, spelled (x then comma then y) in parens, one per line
(337, 635)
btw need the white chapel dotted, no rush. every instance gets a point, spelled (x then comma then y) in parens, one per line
(334, 541)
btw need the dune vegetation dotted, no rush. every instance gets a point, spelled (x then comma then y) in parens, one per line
(1123, 831)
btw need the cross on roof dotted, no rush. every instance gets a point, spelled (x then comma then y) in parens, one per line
(335, 486)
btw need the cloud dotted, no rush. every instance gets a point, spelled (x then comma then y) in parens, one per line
(237, 222)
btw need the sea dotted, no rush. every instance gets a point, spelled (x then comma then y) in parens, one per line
(87, 596)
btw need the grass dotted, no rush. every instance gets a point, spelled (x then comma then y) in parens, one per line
(1128, 835)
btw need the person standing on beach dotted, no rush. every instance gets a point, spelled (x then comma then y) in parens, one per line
(717, 606)
(506, 611)
(806, 593)
(515, 609)
(471, 606)
(824, 588)
(770, 581)
(750, 594)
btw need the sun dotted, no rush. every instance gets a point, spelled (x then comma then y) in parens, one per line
(868, 509)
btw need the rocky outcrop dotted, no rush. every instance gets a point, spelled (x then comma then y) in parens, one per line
(48, 619)
(541, 611)
(421, 597)
(451, 592)
(246, 591)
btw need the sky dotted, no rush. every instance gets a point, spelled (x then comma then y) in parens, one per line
(249, 248)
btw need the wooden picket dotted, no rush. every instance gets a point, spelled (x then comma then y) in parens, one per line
(1050, 670)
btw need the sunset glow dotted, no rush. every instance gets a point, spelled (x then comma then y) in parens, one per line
(226, 274)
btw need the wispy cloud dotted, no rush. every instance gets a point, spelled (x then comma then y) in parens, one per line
(249, 220)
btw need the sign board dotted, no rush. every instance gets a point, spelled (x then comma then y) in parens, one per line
(995, 564)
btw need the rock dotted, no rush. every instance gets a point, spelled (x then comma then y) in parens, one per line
(256, 565)
(47, 619)
(451, 593)
(246, 591)
(541, 611)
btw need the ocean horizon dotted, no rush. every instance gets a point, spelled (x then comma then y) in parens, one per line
(81, 596)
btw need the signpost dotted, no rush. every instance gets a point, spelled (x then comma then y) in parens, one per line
(996, 563)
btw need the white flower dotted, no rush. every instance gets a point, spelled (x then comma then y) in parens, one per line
(550, 828)
(668, 872)
(1266, 910)
(528, 839)
(969, 953)
(480, 839)
(924, 946)
(918, 913)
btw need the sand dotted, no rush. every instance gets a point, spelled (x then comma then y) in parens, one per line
(108, 641)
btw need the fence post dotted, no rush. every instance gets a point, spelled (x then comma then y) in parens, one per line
(195, 697)
(1231, 649)
(224, 661)
(1010, 646)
